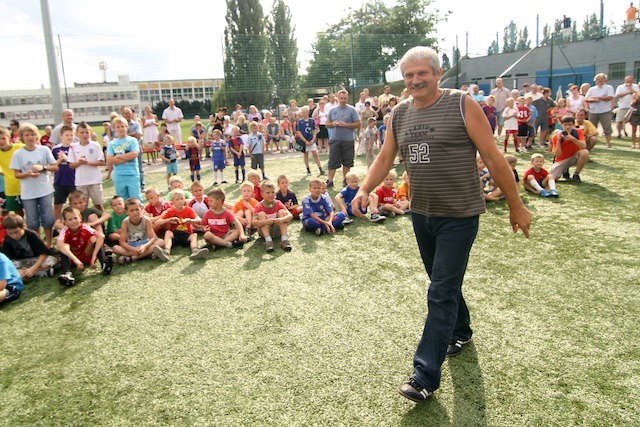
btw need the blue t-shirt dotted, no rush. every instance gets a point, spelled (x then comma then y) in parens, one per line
(348, 194)
(9, 273)
(534, 114)
(382, 130)
(218, 149)
(255, 142)
(66, 175)
(123, 146)
(346, 114)
(306, 128)
(320, 206)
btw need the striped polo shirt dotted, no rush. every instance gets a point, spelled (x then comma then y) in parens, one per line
(439, 156)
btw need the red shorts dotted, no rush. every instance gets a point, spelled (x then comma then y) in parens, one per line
(511, 132)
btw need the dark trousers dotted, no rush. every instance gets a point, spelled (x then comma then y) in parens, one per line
(444, 245)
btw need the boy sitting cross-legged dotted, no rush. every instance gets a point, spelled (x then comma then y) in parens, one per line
(217, 222)
(346, 196)
(317, 214)
(271, 217)
(137, 238)
(26, 249)
(178, 219)
(81, 245)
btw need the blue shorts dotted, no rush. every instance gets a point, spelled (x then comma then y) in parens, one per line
(218, 164)
(128, 186)
(138, 243)
(39, 212)
(350, 212)
(238, 161)
(172, 168)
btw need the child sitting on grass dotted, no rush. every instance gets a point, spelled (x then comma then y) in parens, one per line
(91, 216)
(137, 238)
(243, 209)
(346, 196)
(81, 245)
(115, 220)
(218, 221)
(178, 219)
(537, 180)
(387, 197)
(272, 217)
(26, 249)
(175, 183)
(254, 178)
(155, 204)
(317, 214)
(288, 197)
(403, 189)
(11, 285)
(199, 203)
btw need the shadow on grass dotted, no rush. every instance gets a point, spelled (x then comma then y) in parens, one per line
(255, 254)
(469, 407)
(429, 413)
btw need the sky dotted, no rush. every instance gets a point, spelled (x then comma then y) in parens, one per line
(154, 43)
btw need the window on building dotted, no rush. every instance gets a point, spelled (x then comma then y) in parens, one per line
(166, 94)
(616, 71)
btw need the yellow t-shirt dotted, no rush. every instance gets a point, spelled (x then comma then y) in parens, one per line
(589, 129)
(11, 183)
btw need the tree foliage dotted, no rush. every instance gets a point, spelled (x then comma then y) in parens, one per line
(283, 60)
(358, 50)
(246, 73)
(510, 39)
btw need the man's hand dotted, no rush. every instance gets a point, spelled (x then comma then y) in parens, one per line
(520, 219)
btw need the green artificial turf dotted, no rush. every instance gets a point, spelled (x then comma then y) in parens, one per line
(325, 334)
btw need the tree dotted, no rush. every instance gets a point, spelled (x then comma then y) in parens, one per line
(446, 64)
(523, 40)
(358, 50)
(510, 39)
(246, 73)
(493, 48)
(284, 52)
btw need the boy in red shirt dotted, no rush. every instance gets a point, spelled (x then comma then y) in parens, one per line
(217, 222)
(537, 179)
(271, 217)
(178, 219)
(81, 245)
(254, 178)
(388, 202)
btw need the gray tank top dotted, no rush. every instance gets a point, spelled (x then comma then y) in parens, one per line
(137, 232)
(439, 156)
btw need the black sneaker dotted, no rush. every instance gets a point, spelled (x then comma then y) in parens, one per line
(67, 279)
(329, 184)
(107, 266)
(576, 178)
(237, 243)
(414, 391)
(456, 347)
(566, 176)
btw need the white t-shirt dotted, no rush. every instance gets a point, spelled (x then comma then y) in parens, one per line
(172, 114)
(23, 160)
(600, 107)
(85, 174)
(511, 123)
(625, 101)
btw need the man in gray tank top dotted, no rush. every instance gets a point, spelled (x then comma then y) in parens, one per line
(438, 132)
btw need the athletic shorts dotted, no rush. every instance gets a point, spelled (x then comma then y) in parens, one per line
(340, 154)
(138, 243)
(181, 238)
(93, 192)
(620, 114)
(172, 168)
(523, 130)
(238, 161)
(61, 193)
(257, 161)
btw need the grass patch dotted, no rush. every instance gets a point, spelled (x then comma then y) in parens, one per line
(326, 334)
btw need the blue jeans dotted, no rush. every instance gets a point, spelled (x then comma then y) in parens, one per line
(311, 224)
(444, 245)
(39, 212)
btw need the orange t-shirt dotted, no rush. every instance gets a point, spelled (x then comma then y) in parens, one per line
(239, 206)
(632, 13)
(403, 190)
(568, 149)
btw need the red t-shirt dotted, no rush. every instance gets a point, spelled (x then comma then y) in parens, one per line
(524, 113)
(569, 148)
(218, 223)
(538, 176)
(157, 211)
(78, 241)
(386, 195)
(257, 194)
(186, 212)
(272, 212)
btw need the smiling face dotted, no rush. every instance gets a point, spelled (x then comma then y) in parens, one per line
(537, 163)
(315, 189)
(72, 220)
(421, 79)
(388, 181)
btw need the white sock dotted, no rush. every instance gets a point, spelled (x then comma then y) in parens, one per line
(267, 238)
(221, 175)
(535, 184)
(4, 294)
(284, 237)
(229, 245)
(552, 183)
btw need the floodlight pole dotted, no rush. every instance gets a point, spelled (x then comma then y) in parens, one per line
(56, 99)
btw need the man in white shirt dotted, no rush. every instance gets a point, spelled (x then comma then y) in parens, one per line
(67, 119)
(500, 93)
(599, 98)
(172, 115)
(624, 93)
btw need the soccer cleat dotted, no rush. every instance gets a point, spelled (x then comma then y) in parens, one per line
(237, 243)
(553, 193)
(199, 253)
(544, 193)
(67, 279)
(377, 217)
(456, 347)
(576, 178)
(347, 220)
(160, 253)
(308, 173)
(285, 245)
(268, 245)
(329, 184)
(414, 391)
(224, 181)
